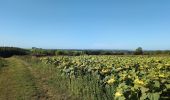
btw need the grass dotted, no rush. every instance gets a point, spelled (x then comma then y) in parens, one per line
(16, 82)
(50, 80)
(2, 63)
(25, 78)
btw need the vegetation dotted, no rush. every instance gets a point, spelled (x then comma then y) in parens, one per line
(26, 78)
(114, 77)
(10, 51)
(46, 74)
(16, 82)
(138, 51)
(85, 78)
(2, 63)
(39, 52)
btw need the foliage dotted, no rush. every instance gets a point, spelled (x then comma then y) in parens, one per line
(116, 77)
(10, 51)
(42, 52)
(138, 51)
(39, 52)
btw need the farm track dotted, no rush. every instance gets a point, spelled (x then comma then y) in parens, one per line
(19, 81)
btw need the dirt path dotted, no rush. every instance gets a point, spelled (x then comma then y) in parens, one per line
(17, 82)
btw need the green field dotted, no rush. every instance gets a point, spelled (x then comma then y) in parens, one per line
(85, 78)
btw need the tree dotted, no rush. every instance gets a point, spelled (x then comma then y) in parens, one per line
(59, 52)
(138, 51)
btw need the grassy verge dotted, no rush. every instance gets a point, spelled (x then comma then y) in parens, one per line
(16, 82)
(50, 80)
(2, 63)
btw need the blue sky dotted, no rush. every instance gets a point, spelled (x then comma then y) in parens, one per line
(85, 24)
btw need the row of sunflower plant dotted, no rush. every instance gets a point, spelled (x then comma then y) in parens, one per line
(118, 77)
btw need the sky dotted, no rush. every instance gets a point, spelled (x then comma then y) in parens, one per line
(85, 24)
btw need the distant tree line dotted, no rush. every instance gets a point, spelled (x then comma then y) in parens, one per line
(157, 52)
(138, 51)
(49, 52)
(10, 51)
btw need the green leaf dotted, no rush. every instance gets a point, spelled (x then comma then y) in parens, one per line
(167, 86)
(153, 96)
(157, 84)
(144, 90)
(144, 96)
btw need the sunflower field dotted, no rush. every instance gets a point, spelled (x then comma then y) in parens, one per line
(115, 77)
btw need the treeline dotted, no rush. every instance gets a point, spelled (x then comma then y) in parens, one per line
(10, 51)
(157, 52)
(53, 52)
